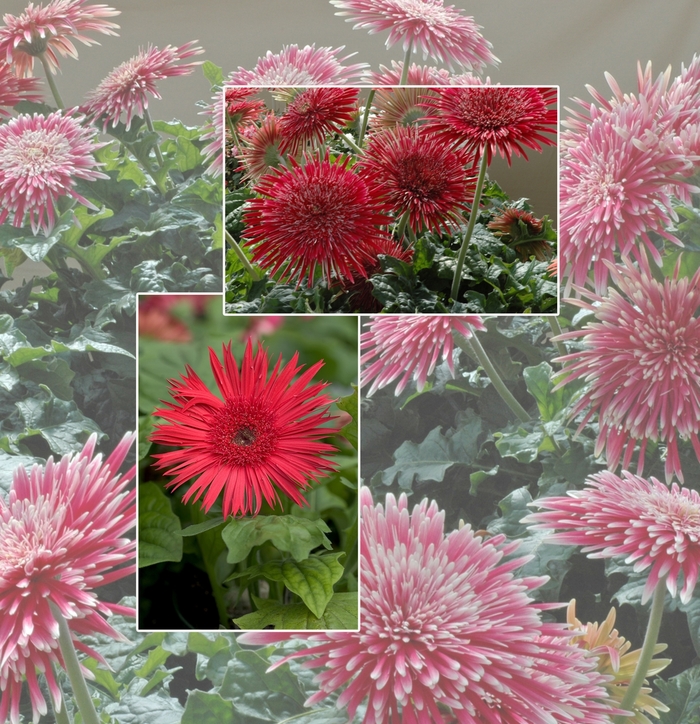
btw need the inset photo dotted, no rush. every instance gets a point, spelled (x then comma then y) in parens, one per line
(395, 199)
(248, 468)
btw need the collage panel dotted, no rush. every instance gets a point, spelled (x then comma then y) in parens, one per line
(397, 199)
(248, 469)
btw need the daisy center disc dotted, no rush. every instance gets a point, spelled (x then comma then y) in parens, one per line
(244, 433)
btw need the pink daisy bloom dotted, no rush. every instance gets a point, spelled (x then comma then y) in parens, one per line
(495, 118)
(296, 66)
(641, 362)
(40, 159)
(261, 437)
(447, 626)
(124, 90)
(396, 347)
(419, 174)
(214, 132)
(400, 106)
(317, 215)
(315, 113)
(62, 533)
(14, 90)
(417, 75)
(651, 525)
(48, 30)
(429, 25)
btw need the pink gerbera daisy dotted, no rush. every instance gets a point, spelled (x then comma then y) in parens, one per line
(400, 106)
(420, 75)
(317, 215)
(409, 347)
(296, 66)
(440, 31)
(125, 89)
(261, 437)
(649, 524)
(448, 627)
(315, 113)
(14, 90)
(419, 174)
(641, 362)
(495, 118)
(41, 157)
(62, 533)
(47, 31)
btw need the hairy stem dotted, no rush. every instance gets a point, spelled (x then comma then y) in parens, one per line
(365, 117)
(556, 331)
(242, 257)
(406, 61)
(60, 712)
(149, 125)
(51, 81)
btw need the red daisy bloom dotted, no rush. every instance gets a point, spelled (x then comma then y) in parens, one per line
(261, 147)
(417, 173)
(240, 107)
(641, 362)
(62, 534)
(262, 437)
(315, 113)
(319, 214)
(401, 106)
(649, 524)
(48, 30)
(518, 226)
(13, 90)
(496, 118)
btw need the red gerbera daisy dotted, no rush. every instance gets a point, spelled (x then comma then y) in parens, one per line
(240, 107)
(261, 150)
(496, 118)
(262, 437)
(315, 113)
(641, 361)
(319, 214)
(419, 174)
(401, 106)
(518, 226)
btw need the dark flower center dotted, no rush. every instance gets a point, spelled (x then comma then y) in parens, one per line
(244, 433)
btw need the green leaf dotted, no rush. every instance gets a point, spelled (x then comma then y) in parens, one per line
(349, 404)
(540, 385)
(202, 527)
(204, 707)
(682, 696)
(212, 73)
(55, 373)
(133, 708)
(340, 613)
(177, 129)
(159, 528)
(297, 536)
(521, 444)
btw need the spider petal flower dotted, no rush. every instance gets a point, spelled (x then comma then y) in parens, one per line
(440, 31)
(296, 66)
(409, 347)
(447, 626)
(641, 362)
(40, 159)
(125, 89)
(319, 214)
(61, 536)
(48, 29)
(649, 524)
(263, 436)
(13, 90)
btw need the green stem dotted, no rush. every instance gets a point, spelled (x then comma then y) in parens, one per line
(149, 125)
(456, 281)
(216, 588)
(556, 331)
(51, 81)
(647, 652)
(406, 62)
(473, 345)
(401, 226)
(352, 143)
(70, 661)
(365, 117)
(60, 711)
(242, 257)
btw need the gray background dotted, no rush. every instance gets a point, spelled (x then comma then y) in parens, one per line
(545, 42)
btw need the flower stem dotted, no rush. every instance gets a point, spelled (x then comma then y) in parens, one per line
(348, 139)
(242, 257)
(556, 331)
(365, 117)
(149, 125)
(70, 661)
(456, 281)
(647, 651)
(473, 345)
(406, 61)
(60, 712)
(51, 82)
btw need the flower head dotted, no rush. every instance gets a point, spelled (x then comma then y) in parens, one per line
(517, 228)
(419, 174)
(62, 533)
(317, 215)
(495, 118)
(409, 347)
(429, 25)
(261, 149)
(299, 67)
(400, 106)
(261, 437)
(13, 90)
(48, 30)
(420, 75)
(125, 89)
(315, 113)
(649, 524)
(41, 157)
(446, 626)
(641, 362)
